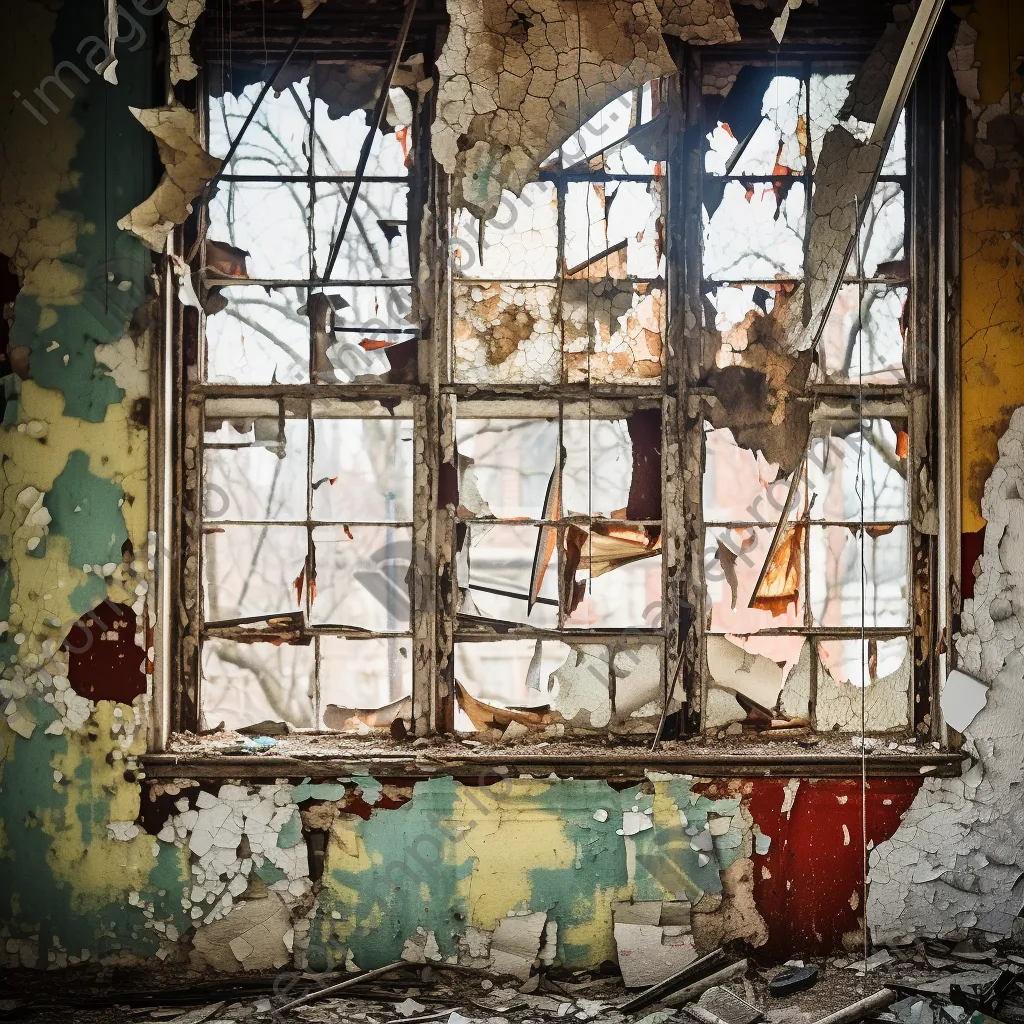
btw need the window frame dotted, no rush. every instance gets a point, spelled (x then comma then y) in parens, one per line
(433, 633)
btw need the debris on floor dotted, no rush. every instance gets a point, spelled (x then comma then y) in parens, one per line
(928, 983)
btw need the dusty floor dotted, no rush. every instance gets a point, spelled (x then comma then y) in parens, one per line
(415, 994)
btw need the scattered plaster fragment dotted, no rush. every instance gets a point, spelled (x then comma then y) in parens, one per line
(181, 20)
(187, 168)
(601, 814)
(700, 22)
(789, 796)
(515, 944)
(252, 936)
(781, 23)
(648, 954)
(955, 825)
(122, 831)
(963, 697)
(517, 79)
(886, 700)
(634, 822)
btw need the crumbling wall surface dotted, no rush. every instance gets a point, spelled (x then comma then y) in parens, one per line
(956, 862)
(73, 468)
(516, 80)
(986, 62)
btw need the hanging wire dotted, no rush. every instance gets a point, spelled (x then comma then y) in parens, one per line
(859, 489)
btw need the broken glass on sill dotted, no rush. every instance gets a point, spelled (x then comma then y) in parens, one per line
(519, 243)
(863, 684)
(580, 687)
(362, 577)
(259, 337)
(251, 570)
(362, 681)
(859, 575)
(362, 469)
(244, 684)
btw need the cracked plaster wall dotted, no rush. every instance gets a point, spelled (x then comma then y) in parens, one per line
(97, 865)
(955, 864)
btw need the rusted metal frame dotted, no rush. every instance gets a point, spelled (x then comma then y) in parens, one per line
(327, 179)
(685, 243)
(828, 632)
(754, 524)
(626, 762)
(311, 522)
(354, 393)
(575, 392)
(433, 690)
(634, 636)
(928, 112)
(375, 121)
(304, 282)
(949, 570)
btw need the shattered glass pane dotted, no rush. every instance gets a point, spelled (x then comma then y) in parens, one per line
(613, 229)
(361, 675)
(362, 470)
(505, 333)
(863, 684)
(496, 564)
(250, 570)
(363, 575)
(598, 467)
(872, 343)
(277, 140)
(511, 673)
(859, 578)
(611, 124)
(579, 687)
(505, 466)
(733, 559)
(755, 235)
(739, 485)
(261, 482)
(339, 140)
(624, 597)
(859, 474)
(777, 144)
(259, 337)
(269, 220)
(884, 229)
(244, 684)
(376, 244)
(519, 243)
(828, 94)
(613, 332)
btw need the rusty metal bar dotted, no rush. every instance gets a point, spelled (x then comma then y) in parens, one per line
(364, 154)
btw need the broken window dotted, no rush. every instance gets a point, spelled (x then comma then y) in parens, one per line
(619, 489)
(807, 543)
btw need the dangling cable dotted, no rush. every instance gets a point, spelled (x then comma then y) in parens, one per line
(859, 487)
